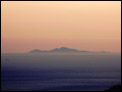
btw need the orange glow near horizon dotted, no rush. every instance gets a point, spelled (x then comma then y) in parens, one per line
(45, 25)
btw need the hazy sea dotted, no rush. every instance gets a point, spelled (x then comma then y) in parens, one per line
(60, 71)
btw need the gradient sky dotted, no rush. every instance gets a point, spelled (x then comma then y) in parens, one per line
(44, 25)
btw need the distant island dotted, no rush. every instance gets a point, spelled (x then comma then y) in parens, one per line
(63, 49)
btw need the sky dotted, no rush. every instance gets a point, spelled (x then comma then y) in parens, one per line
(45, 25)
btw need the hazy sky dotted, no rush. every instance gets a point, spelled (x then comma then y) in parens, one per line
(44, 25)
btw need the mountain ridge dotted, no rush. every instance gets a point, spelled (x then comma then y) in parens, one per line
(62, 49)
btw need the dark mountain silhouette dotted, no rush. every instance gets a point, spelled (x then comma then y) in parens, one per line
(37, 51)
(62, 49)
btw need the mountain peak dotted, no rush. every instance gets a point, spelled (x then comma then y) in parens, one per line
(63, 49)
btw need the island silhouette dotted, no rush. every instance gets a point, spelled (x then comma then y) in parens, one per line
(64, 49)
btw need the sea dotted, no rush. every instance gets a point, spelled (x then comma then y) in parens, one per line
(60, 71)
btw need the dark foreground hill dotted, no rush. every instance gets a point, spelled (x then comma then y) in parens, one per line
(115, 88)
